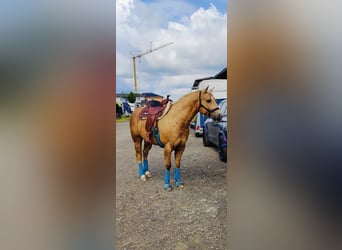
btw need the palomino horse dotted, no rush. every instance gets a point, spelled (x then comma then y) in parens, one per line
(173, 132)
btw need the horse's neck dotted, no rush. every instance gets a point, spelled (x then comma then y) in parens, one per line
(187, 108)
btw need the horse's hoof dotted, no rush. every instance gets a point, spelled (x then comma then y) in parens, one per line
(179, 185)
(148, 174)
(143, 177)
(167, 187)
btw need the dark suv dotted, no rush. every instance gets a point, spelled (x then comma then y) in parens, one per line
(215, 133)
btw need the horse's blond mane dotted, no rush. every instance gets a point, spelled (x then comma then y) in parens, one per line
(185, 96)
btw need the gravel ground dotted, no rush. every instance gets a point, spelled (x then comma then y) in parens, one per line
(147, 217)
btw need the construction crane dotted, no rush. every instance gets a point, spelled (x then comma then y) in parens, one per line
(140, 55)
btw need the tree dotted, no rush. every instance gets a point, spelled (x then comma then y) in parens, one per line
(131, 97)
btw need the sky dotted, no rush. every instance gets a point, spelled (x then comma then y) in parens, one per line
(198, 30)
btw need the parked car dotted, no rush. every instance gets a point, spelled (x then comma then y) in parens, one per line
(193, 122)
(215, 133)
(199, 124)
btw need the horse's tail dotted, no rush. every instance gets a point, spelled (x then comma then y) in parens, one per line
(134, 123)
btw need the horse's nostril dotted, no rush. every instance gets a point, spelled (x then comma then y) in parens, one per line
(218, 117)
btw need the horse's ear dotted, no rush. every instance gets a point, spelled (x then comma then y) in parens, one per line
(212, 89)
(205, 90)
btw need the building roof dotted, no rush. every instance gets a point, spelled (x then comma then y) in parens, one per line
(197, 82)
(125, 95)
(221, 75)
(145, 94)
(150, 94)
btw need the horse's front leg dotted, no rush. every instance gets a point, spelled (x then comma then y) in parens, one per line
(167, 157)
(177, 175)
(147, 147)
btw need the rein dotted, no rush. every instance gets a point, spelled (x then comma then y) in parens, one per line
(202, 106)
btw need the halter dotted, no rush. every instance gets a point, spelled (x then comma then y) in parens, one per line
(202, 106)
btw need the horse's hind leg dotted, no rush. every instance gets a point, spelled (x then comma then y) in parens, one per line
(147, 148)
(137, 146)
(177, 175)
(167, 156)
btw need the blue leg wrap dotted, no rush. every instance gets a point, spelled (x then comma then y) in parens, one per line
(177, 174)
(167, 177)
(145, 165)
(177, 177)
(141, 170)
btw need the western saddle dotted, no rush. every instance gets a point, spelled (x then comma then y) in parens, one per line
(153, 111)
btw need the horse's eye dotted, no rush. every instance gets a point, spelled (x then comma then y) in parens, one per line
(208, 101)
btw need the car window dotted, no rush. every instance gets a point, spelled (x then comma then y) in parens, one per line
(223, 108)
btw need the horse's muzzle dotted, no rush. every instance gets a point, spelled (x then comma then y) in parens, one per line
(216, 117)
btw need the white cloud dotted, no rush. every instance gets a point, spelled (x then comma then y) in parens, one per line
(178, 80)
(124, 66)
(199, 49)
(175, 93)
(123, 10)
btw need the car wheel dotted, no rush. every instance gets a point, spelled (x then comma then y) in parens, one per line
(222, 149)
(205, 139)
